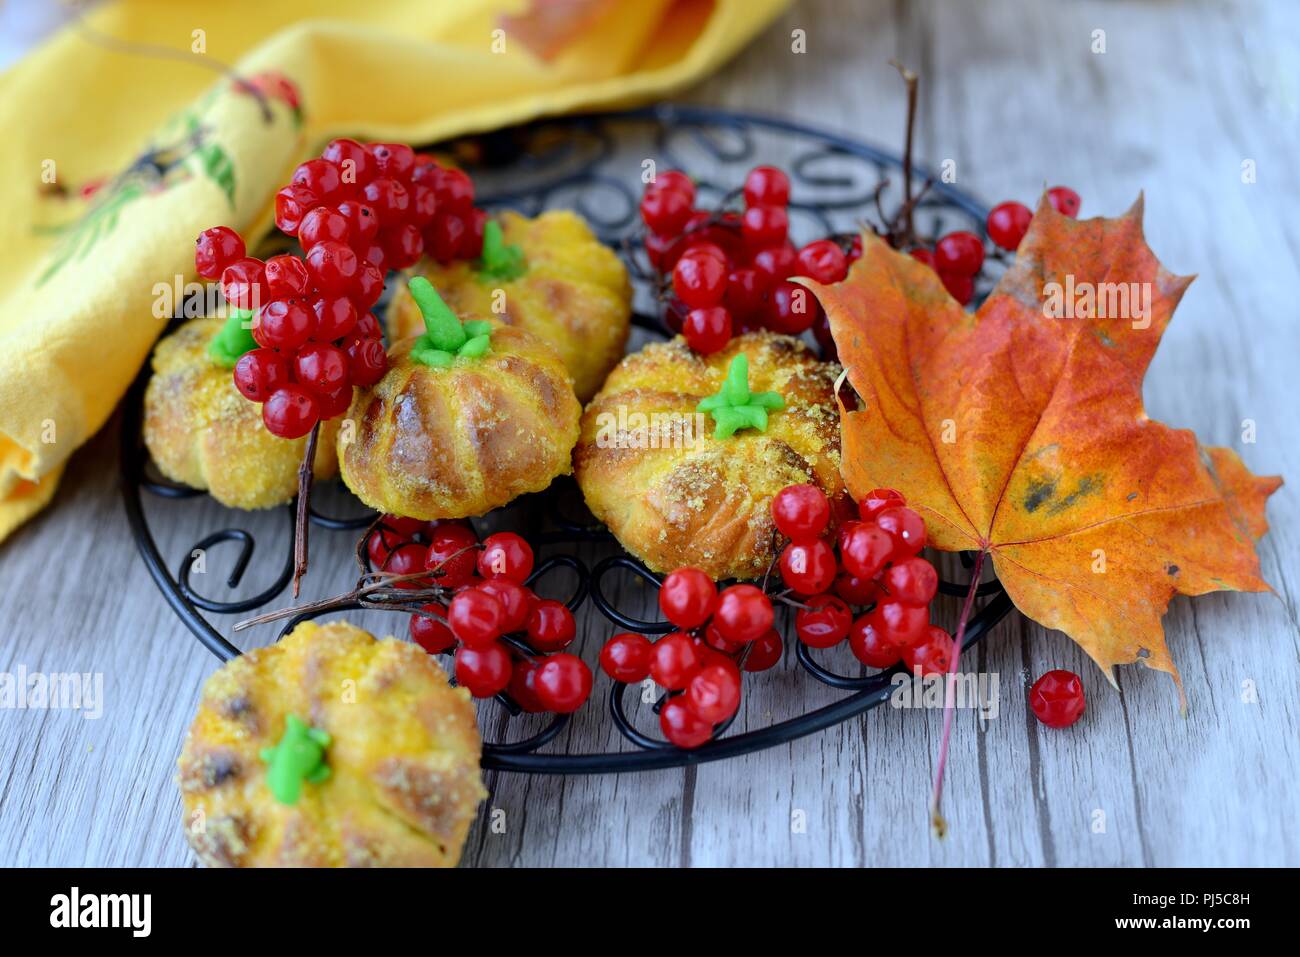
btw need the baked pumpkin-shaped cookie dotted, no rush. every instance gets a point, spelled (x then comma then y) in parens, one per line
(203, 433)
(679, 485)
(331, 749)
(468, 417)
(559, 282)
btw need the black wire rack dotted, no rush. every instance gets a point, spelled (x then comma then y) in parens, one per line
(594, 164)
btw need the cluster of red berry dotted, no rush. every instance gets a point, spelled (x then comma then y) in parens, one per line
(958, 256)
(357, 211)
(731, 270)
(489, 600)
(875, 565)
(700, 664)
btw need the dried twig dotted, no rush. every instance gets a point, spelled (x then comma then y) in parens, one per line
(910, 79)
(306, 471)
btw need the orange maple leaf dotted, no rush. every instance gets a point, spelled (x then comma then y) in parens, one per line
(1020, 430)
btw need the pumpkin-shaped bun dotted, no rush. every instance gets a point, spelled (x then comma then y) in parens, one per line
(574, 294)
(651, 469)
(203, 433)
(402, 780)
(457, 441)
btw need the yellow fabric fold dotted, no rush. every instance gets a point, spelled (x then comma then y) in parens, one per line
(135, 128)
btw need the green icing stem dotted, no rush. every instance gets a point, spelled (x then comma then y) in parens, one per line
(499, 261)
(734, 407)
(298, 756)
(446, 337)
(233, 339)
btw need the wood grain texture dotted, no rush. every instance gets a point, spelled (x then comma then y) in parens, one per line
(1011, 92)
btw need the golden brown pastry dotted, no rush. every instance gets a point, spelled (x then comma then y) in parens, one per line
(391, 776)
(673, 494)
(203, 433)
(457, 441)
(574, 294)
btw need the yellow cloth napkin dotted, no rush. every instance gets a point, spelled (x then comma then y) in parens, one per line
(120, 148)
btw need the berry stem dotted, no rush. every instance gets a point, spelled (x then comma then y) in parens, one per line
(911, 80)
(937, 823)
(306, 471)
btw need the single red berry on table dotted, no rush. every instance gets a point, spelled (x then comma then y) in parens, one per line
(484, 670)
(333, 266)
(1007, 224)
(824, 623)
(506, 555)
(1057, 698)
(932, 654)
(215, 249)
(792, 309)
(321, 367)
(864, 548)
(336, 316)
(515, 599)
(688, 597)
(292, 203)
(765, 651)
(451, 555)
(523, 685)
(801, 511)
(475, 617)
(899, 624)
(700, 279)
(766, 186)
(284, 325)
(260, 372)
(877, 500)
(353, 161)
(743, 614)
(243, 281)
(960, 253)
(429, 629)
(822, 260)
(682, 726)
(707, 330)
(808, 566)
(673, 659)
(550, 625)
(870, 646)
(406, 559)
(626, 657)
(913, 581)
(764, 226)
(1064, 200)
(322, 178)
(563, 683)
(905, 527)
(665, 211)
(290, 412)
(713, 692)
(366, 358)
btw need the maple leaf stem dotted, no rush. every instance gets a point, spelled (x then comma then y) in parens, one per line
(937, 823)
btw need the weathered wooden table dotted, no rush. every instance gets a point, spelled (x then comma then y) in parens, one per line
(1014, 93)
